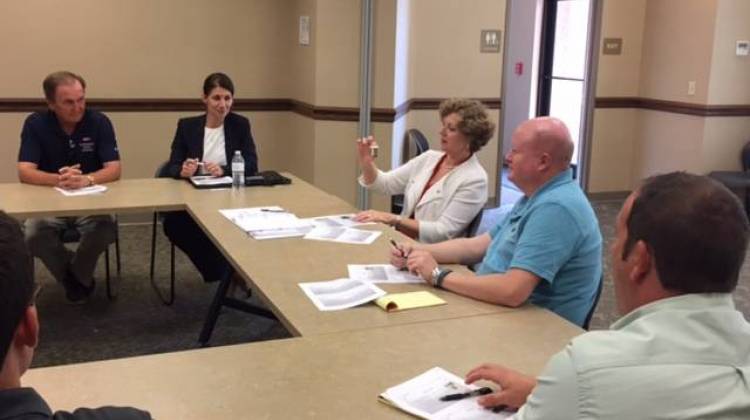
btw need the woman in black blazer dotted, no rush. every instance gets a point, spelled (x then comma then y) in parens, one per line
(208, 140)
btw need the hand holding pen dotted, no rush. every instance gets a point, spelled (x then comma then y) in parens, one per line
(399, 254)
(189, 167)
(475, 393)
(515, 387)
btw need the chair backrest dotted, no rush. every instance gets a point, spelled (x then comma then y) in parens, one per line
(598, 295)
(471, 230)
(746, 157)
(161, 170)
(69, 235)
(418, 140)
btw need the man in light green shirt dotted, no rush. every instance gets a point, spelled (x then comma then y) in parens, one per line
(682, 351)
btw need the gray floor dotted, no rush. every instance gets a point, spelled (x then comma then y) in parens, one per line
(138, 323)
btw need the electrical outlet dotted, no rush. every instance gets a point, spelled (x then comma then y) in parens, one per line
(304, 30)
(691, 88)
(743, 48)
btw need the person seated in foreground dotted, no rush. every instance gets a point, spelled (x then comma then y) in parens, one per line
(443, 190)
(682, 350)
(19, 336)
(547, 251)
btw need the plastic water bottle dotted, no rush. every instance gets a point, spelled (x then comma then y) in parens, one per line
(238, 171)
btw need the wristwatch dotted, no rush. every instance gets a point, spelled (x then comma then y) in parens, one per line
(91, 180)
(396, 221)
(439, 275)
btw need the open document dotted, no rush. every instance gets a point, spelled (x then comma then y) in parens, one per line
(341, 294)
(343, 234)
(381, 273)
(93, 189)
(267, 222)
(421, 396)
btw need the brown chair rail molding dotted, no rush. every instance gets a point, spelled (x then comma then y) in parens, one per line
(334, 113)
(674, 107)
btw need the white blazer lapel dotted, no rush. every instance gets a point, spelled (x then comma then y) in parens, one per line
(422, 176)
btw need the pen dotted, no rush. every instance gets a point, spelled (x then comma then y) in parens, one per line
(273, 210)
(395, 245)
(498, 408)
(475, 393)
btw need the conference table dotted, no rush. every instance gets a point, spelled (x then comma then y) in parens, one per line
(337, 362)
(328, 376)
(272, 268)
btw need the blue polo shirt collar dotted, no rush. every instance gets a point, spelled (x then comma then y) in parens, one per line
(559, 179)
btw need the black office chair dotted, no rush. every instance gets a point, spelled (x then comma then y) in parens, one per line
(738, 180)
(598, 295)
(420, 145)
(71, 235)
(471, 230)
(161, 172)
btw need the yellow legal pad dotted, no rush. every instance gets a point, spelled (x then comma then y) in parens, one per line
(402, 301)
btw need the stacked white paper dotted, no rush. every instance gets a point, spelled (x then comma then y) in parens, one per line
(93, 189)
(268, 222)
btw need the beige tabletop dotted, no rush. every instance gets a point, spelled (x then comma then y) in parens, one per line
(326, 376)
(274, 268)
(131, 195)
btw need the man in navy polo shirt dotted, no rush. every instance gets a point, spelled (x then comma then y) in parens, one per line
(69, 147)
(548, 251)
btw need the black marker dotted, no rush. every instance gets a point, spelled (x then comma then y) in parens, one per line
(475, 393)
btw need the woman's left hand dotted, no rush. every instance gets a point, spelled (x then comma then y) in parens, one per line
(213, 169)
(376, 216)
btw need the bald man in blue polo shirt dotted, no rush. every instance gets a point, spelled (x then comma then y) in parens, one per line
(548, 251)
(70, 147)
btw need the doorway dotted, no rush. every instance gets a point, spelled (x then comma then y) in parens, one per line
(563, 65)
(550, 58)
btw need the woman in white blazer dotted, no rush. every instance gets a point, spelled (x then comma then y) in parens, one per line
(443, 190)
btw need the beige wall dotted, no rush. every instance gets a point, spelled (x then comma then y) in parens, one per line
(614, 138)
(730, 75)
(680, 41)
(667, 142)
(301, 66)
(144, 48)
(723, 138)
(620, 75)
(444, 48)
(677, 48)
(616, 130)
(443, 60)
